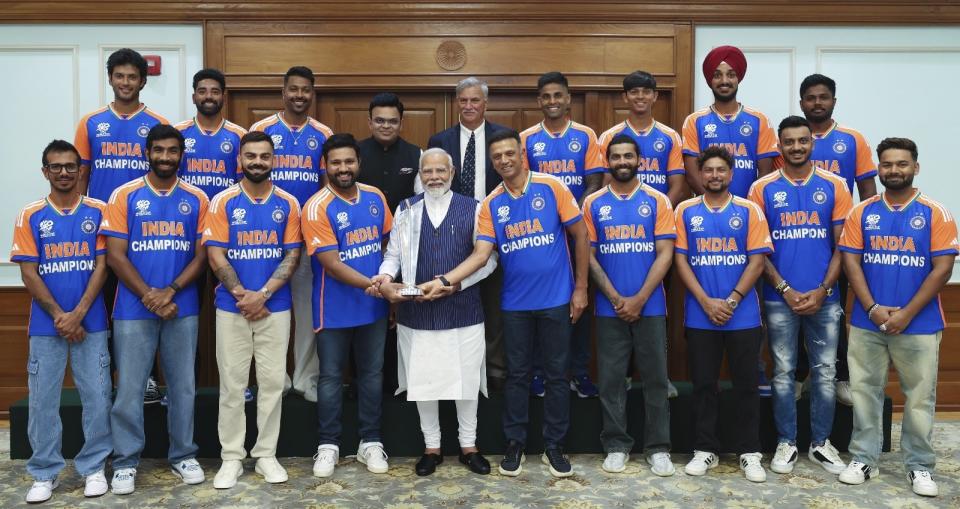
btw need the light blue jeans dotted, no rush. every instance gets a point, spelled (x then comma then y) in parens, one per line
(90, 365)
(915, 357)
(135, 346)
(821, 332)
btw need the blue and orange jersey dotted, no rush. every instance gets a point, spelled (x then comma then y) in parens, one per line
(162, 229)
(210, 159)
(747, 135)
(623, 231)
(569, 155)
(298, 154)
(841, 151)
(801, 216)
(114, 146)
(64, 244)
(898, 245)
(718, 243)
(528, 231)
(660, 152)
(256, 233)
(356, 229)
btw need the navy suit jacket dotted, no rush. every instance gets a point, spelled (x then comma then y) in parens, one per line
(449, 140)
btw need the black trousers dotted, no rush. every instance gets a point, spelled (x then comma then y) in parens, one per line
(705, 349)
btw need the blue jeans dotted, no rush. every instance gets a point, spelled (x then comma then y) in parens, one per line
(90, 365)
(821, 332)
(550, 330)
(135, 346)
(915, 357)
(333, 346)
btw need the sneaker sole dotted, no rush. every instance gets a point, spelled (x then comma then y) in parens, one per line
(122, 491)
(757, 480)
(321, 474)
(873, 474)
(95, 494)
(56, 482)
(371, 469)
(783, 470)
(512, 473)
(609, 470)
(184, 479)
(274, 481)
(554, 472)
(661, 474)
(710, 467)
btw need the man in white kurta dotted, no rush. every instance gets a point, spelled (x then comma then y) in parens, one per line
(440, 342)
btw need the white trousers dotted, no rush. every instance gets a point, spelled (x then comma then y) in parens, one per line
(306, 366)
(430, 422)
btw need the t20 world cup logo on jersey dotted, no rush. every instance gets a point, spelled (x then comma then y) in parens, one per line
(277, 141)
(605, 213)
(503, 214)
(779, 199)
(343, 220)
(710, 131)
(873, 222)
(46, 228)
(696, 224)
(189, 145)
(143, 208)
(103, 130)
(539, 149)
(239, 217)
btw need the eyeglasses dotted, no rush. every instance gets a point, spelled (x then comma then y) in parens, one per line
(392, 122)
(57, 168)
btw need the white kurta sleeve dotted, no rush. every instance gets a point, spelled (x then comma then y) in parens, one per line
(486, 269)
(391, 259)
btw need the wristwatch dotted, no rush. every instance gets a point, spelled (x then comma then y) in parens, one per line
(444, 281)
(732, 303)
(266, 293)
(174, 286)
(828, 290)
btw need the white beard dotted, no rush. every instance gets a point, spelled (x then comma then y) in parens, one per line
(437, 192)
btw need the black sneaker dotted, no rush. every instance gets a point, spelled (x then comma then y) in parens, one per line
(511, 465)
(559, 465)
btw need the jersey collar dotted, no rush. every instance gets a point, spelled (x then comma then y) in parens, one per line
(128, 117)
(344, 199)
(793, 182)
(550, 133)
(253, 200)
(289, 128)
(723, 118)
(723, 207)
(903, 207)
(638, 132)
(522, 191)
(156, 191)
(60, 212)
(826, 133)
(203, 132)
(629, 196)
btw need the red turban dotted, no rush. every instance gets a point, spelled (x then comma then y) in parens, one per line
(729, 54)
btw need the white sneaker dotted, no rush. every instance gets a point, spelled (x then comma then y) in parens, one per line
(827, 457)
(373, 456)
(271, 470)
(923, 484)
(311, 395)
(843, 393)
(230, 471)
(124, 481)
(189, 470)
(615, 462)
(325, 460)
(660, 464)
(671, 390)
(797, 390)
(752, 468)
(95, 485)
(784, 459)
(857, 473)
(41, 491)
(701, 462)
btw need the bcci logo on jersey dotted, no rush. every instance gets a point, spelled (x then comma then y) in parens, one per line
(189, 145)
(918, 222)
(819, 197)
(226, 147)
(239, 217)
(659, 146)
(343, 220)
(538, 203)
(605, 213)
(644, 210)
(574, 146)
(103, 130)
(710, 131)
(143, 131)
(736, 222)
(88, 226)
(746, 130)
(696, 224)
(503, 214)
(278, 216)
(839, 147)
(46, 229)
(780, 199)
(277, 141)
(143, 208)
(873, 222)
(312, 143)
(539, 149)
(184, 207)
(374, 210)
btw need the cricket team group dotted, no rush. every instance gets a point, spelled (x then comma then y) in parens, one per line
(487, 259)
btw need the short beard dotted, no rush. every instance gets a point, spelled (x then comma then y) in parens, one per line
(436, 192)
(724, 98)
(615, 173)
(904, 184)
(341, 185)
(256, 179)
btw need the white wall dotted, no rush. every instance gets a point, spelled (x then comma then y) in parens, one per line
(892, 81)
(55, 74)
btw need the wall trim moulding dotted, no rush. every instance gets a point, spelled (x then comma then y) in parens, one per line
(75, 64)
